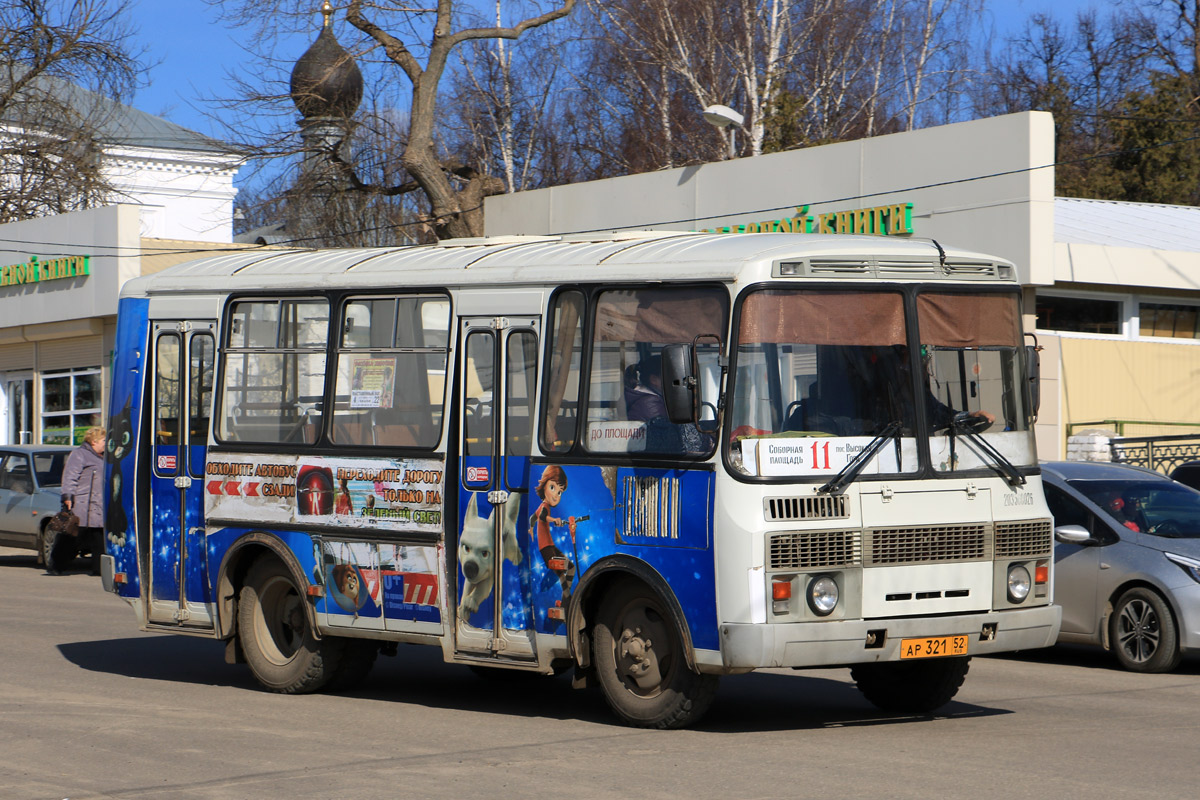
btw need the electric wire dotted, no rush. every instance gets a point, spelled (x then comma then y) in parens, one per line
(120, 251)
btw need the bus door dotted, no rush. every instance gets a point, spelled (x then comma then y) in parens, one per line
(498, 376)
(178, 588)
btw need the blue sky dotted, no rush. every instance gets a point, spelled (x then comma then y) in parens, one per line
(196, 52)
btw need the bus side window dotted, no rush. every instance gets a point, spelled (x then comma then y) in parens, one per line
(479, 394)
(273, 373)
(391, 371)
(200, 382)
(167, 390)
(560, 407)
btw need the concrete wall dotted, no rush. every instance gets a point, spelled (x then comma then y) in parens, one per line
(109, 236)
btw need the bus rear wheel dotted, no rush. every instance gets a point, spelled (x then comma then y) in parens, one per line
(640, 663)
(911, 687)
(277, 640)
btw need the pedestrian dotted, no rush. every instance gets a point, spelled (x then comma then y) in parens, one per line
(83, 496)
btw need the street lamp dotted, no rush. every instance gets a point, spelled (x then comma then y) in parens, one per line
(725, 117)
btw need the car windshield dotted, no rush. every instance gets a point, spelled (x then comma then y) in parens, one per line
(49, 468)
(1159, 507)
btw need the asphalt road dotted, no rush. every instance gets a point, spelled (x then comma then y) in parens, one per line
(92, 708)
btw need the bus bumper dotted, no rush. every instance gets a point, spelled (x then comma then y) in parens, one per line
(836, 643)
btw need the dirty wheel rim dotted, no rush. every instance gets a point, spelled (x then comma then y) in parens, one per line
(1138, 631)
(279, 621)
(643, 649)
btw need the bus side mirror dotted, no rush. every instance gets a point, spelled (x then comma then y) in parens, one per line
(678, 383)
(1033, 374)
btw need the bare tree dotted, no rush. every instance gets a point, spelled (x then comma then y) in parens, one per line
(62, 64)
(415, 43)
(800, 71)
(500, 104)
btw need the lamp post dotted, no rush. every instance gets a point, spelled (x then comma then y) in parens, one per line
(725, 117)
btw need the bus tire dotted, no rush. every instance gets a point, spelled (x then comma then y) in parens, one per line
(276, 637)
(911, 687)
(358, 658)
(640, 664)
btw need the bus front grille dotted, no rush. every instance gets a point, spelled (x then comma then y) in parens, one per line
(814, 550)
(784, 509)
(928, 545)
(1026, 539)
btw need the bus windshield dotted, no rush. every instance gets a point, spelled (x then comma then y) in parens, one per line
(828, 364)
(972, 368)
(843, 366)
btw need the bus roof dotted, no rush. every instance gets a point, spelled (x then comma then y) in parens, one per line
(534, 260)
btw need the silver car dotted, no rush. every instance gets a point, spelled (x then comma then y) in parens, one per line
(1126, 560)
(30, 493)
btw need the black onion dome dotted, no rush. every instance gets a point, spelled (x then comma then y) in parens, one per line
(326, 81)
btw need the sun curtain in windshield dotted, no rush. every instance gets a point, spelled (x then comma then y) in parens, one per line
(837, 367)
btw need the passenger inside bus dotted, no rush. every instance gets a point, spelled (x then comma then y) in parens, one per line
(644, 400)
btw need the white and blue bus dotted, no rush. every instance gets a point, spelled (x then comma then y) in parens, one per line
(651, 458)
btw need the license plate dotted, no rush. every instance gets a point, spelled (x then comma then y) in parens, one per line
(933, 647)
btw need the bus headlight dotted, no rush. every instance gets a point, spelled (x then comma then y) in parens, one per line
(823, 595)
(1018, 583)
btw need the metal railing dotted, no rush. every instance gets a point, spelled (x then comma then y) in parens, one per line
(1161, 453)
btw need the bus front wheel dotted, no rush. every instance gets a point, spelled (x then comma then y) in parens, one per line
(911, 687)
(277, 639)
(640, 663)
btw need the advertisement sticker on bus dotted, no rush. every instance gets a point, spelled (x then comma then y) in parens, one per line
(390, 494)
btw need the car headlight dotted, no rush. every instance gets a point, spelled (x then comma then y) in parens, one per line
(823, 595)
(1189, 565)
(1018, 583)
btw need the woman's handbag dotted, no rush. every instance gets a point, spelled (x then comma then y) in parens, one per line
(64, 523)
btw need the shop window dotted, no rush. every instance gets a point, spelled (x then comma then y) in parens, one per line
(1081, 315)
(70, 404)
(1175, 321)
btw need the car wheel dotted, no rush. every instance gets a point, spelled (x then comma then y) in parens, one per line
(44, 542)
(1142, 632)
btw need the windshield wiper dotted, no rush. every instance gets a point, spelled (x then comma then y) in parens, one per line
(852, 470)
(964, 425)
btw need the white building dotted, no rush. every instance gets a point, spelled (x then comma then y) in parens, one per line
(60, 276)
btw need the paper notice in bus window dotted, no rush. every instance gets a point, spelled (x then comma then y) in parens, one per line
(372, 383)
(805, 456)
(616, 436)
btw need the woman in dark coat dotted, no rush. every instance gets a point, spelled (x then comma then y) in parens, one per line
(83, 495)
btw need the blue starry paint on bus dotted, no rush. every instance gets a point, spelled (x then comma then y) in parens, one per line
(125, 413)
